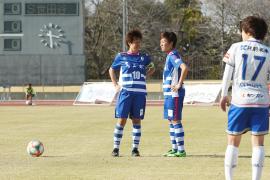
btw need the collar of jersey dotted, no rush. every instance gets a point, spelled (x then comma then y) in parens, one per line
(172, 52)
(253, 40)
(134, 54)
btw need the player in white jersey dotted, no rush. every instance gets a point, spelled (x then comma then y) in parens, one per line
(248, 62)
(134, 66)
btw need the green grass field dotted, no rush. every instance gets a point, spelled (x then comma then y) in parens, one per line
(78, 143)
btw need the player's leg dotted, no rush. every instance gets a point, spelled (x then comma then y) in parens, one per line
(118, 134)
(136, 136)
(27, 99)
(231, 155)
(173, 150)
(30, 99)
(178, 126)
(260, 126)
(238, 124)
(137, 114)
(121, 112)
(175, 113)
(168, 115)
(179, 137)
(258, 154)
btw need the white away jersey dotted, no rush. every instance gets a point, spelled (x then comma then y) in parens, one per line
(251, 62)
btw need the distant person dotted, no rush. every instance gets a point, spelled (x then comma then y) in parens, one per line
(248, 62)
(134, 66)
(29, 94)
(174, 74)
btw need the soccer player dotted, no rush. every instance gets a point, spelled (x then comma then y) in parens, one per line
(134, 66)
(174, 74)
(249, 63)
(29, 94)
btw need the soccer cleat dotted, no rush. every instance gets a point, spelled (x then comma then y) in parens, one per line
(115, 152)
(135, 152)
(181, 154)
(178, 154)
(171, 151)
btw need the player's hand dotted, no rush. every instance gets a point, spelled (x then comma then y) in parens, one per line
(117, 87)
(223, 103)
(176, 87)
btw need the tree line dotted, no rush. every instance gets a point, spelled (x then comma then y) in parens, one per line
(205, 30)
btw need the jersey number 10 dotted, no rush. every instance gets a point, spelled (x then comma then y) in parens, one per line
(259, 67)
(136, 75)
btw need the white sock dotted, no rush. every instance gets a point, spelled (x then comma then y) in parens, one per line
(230, 161)
(257, 162)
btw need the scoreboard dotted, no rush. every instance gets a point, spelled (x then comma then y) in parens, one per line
(51, 9)
(36, 32)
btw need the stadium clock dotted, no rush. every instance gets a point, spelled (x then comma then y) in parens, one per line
(51, 35)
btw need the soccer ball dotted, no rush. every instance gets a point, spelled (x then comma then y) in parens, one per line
(35, 148)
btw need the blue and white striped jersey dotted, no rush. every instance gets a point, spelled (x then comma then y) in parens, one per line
(251, 62)
(132, 71)
(171, 74)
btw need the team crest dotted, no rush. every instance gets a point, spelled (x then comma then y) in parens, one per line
(127, 64)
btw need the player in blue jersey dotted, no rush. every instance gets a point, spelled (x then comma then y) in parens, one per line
(134, 66)
(174, 74)
(249, 64)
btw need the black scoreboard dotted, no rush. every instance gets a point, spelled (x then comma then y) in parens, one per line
(51, 9)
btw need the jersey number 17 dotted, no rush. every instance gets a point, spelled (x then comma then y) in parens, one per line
(258, 69)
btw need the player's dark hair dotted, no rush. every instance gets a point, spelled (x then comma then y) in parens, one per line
(170, 36)
(255, 26)
(132, 35)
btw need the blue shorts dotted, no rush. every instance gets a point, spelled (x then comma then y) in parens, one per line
(173, 107)
(130, 105)
(243, 119)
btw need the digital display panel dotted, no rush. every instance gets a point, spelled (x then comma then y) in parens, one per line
(52, 9)
(12, 8)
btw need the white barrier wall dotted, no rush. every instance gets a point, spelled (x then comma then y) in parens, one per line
(202, 93)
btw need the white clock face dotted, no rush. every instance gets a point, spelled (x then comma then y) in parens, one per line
(51, 35)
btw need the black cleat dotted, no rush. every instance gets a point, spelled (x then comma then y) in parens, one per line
(135, 152)
(115, 152)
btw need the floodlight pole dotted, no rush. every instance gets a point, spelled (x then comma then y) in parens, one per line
(125, 25)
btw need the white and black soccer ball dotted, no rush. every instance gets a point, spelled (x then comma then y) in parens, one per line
(35, 148)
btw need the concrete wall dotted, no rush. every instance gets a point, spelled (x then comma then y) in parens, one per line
(40, 69)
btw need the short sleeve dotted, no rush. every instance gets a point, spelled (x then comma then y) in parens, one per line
(116, 65)
(176, 61)
(229, 57)
(147, 59)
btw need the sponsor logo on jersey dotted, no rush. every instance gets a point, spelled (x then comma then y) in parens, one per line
(254, 85)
